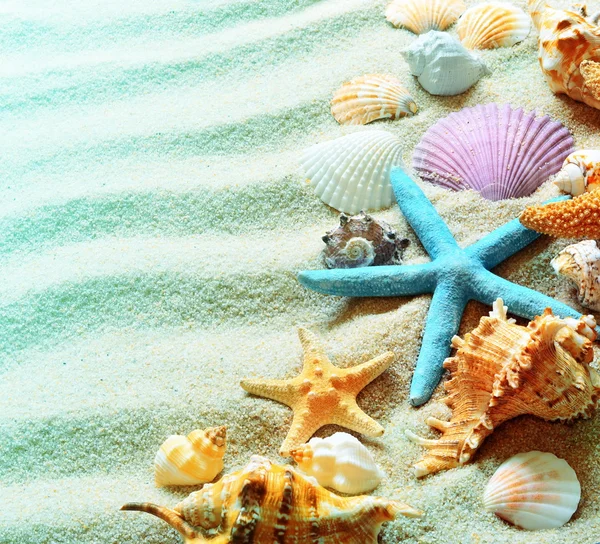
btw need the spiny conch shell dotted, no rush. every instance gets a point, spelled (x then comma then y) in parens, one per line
(361, 240)
(533, 491)
(420, 16)
(371, 97)
(189, 460)
(352, 173)
(581, 264)
(569, 51)
(502, 370)
(494, 24)
(443, 66)
(268, 503)
(580, 172)
(494, 149)
(340, 462)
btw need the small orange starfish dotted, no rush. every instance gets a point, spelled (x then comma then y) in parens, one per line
(322, 394)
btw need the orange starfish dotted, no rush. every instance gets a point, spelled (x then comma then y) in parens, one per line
(576, 218)
(322, 394)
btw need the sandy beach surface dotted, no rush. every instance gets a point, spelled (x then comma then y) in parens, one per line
(152, 222)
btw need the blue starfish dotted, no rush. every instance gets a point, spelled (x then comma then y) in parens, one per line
(454, 276)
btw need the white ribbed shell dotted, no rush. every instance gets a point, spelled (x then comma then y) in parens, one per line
(420, 16)
(533, 490)
(494, 24)
(371, 97)
(340, 462)
(352, 173)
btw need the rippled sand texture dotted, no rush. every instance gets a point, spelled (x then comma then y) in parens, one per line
(152, 221)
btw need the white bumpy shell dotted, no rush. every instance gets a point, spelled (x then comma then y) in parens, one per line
(443, 65)
(340, 462)
(352, 173)
(534, 491)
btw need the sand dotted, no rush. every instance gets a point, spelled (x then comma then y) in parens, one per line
(153, 220)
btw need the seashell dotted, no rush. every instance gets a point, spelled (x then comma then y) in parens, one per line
(371, 97)
(568, 51)
(265, 502)
(581, 264)
(443, 66)
(496, 150)
(580, 172)
(361, 240)
(420, 16)
(491, 25)
(352, 173)
(340, 462)
(502, 370)
(189, 460)
(533, 491)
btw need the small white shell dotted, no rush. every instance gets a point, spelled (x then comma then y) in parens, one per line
(340, 462)
(352, 173)
(494, 24)
(189, 460)
(581, 264)
(371, 97)
(580, 172)
(420, 16)
(443, 65)
(533, 490)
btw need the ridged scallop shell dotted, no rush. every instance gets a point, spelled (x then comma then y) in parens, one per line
(443, 66)
(371, 97)
(420, 16)
(352, 173)
(533, 491)
(581, 264)
(569, 50)
(496, 150)
(268, 503)
(502, 370)
(340, 462)
(361, 240)
(493, 24)
(580, 172)
(189, 460)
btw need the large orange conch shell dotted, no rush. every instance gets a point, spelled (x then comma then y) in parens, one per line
(569, 50)
(269, 503)
(502, 370)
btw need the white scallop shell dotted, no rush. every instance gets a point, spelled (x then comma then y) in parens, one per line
(581, 264)
(494, 24)
(420, 16)
(340, 462)
(371, 97)
(352, 173)
(533, 490)
(580, 172)
(443, 65)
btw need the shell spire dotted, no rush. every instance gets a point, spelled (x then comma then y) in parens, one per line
(580, 172)
(265, 502)
(502, 370)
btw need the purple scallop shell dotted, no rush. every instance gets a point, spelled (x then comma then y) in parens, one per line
(496, 150)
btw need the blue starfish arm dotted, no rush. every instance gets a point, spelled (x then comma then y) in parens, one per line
(422, 216)
(443, 320)
(503, 242)
(372, 281)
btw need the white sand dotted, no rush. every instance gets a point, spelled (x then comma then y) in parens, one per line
(153, 221)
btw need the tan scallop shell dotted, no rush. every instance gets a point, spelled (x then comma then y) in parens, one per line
(371, 97)
(491, 25)
(502, 370)
(421, 16)
(269, 503)
(189, 460)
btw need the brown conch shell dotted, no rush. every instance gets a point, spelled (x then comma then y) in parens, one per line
(569, 50)
(361, 240)
(269, 503)
(502, 370)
